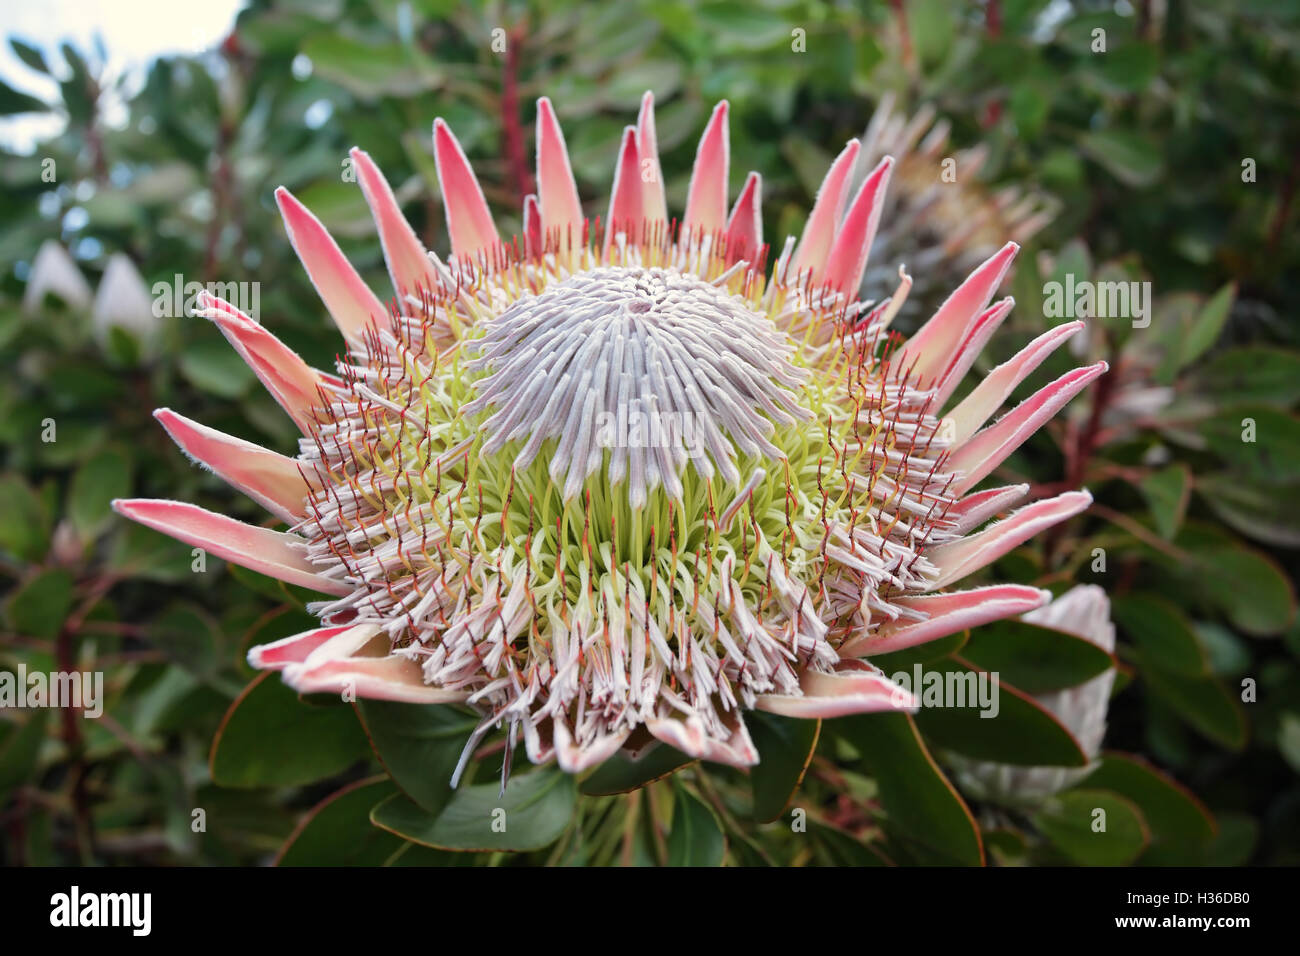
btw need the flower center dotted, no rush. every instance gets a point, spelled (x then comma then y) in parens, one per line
(652, 367)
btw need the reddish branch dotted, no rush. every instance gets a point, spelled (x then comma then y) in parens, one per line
(511, 129)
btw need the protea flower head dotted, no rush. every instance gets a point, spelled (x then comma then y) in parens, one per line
(1083, 611)
(610, 482)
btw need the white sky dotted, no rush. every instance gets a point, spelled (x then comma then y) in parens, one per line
(133, 31)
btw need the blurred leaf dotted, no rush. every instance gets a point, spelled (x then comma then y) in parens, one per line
(13, 101)
(1264, 512)
(20, 746)
(1162, 631)
(338, 832)
(419, 745)
(1246, 585)
(97, 482)
(269, 738)
(1252, 373)
(41, 604)
(1208, 325)
(1129, 157)
(532, 813)
(371, 70)
(917, 796)
(785, 746)
(1272, 454)
(1094, 827)
(696, 837)
(1167, 492)
(24, 524)
(1202, 702)
(30, 55)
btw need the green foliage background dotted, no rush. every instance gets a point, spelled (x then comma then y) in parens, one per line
(1144, 147)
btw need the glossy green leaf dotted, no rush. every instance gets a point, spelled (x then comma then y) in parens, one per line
(922, 805)
(1094, 827)
(1035, 659)
(338, 832)
(1170, 810)
(836, 847)
(270, 738)
(1021, 732)
(621, 774)
(419, 745)
(785, 747)
(532, 813)
(696, 837)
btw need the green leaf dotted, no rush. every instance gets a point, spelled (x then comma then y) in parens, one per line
(30, 55)
(14, 101)
(1094, 827)
(24, 525)
(839, 848)
(909, 657)
(338, 832)
(1246, 585)
(1022, 732)
(785, 747)
(39, 607)
(533, 812)
(270, 738)
(20, 747)
(212, 366)
(1170, 810)
(620, 774)
(696, 837)
(1208, 325)
(1252, 373)
(1167, 492)
(1132, 159)
(1163, 633)
(371, 70)
(1256, 441)
(920, 801)
(1261, 511)
(97, 482)
(419, 745)
(1034, 658)
(1203, 702)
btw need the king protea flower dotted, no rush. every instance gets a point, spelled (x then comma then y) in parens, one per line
(610, 483)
